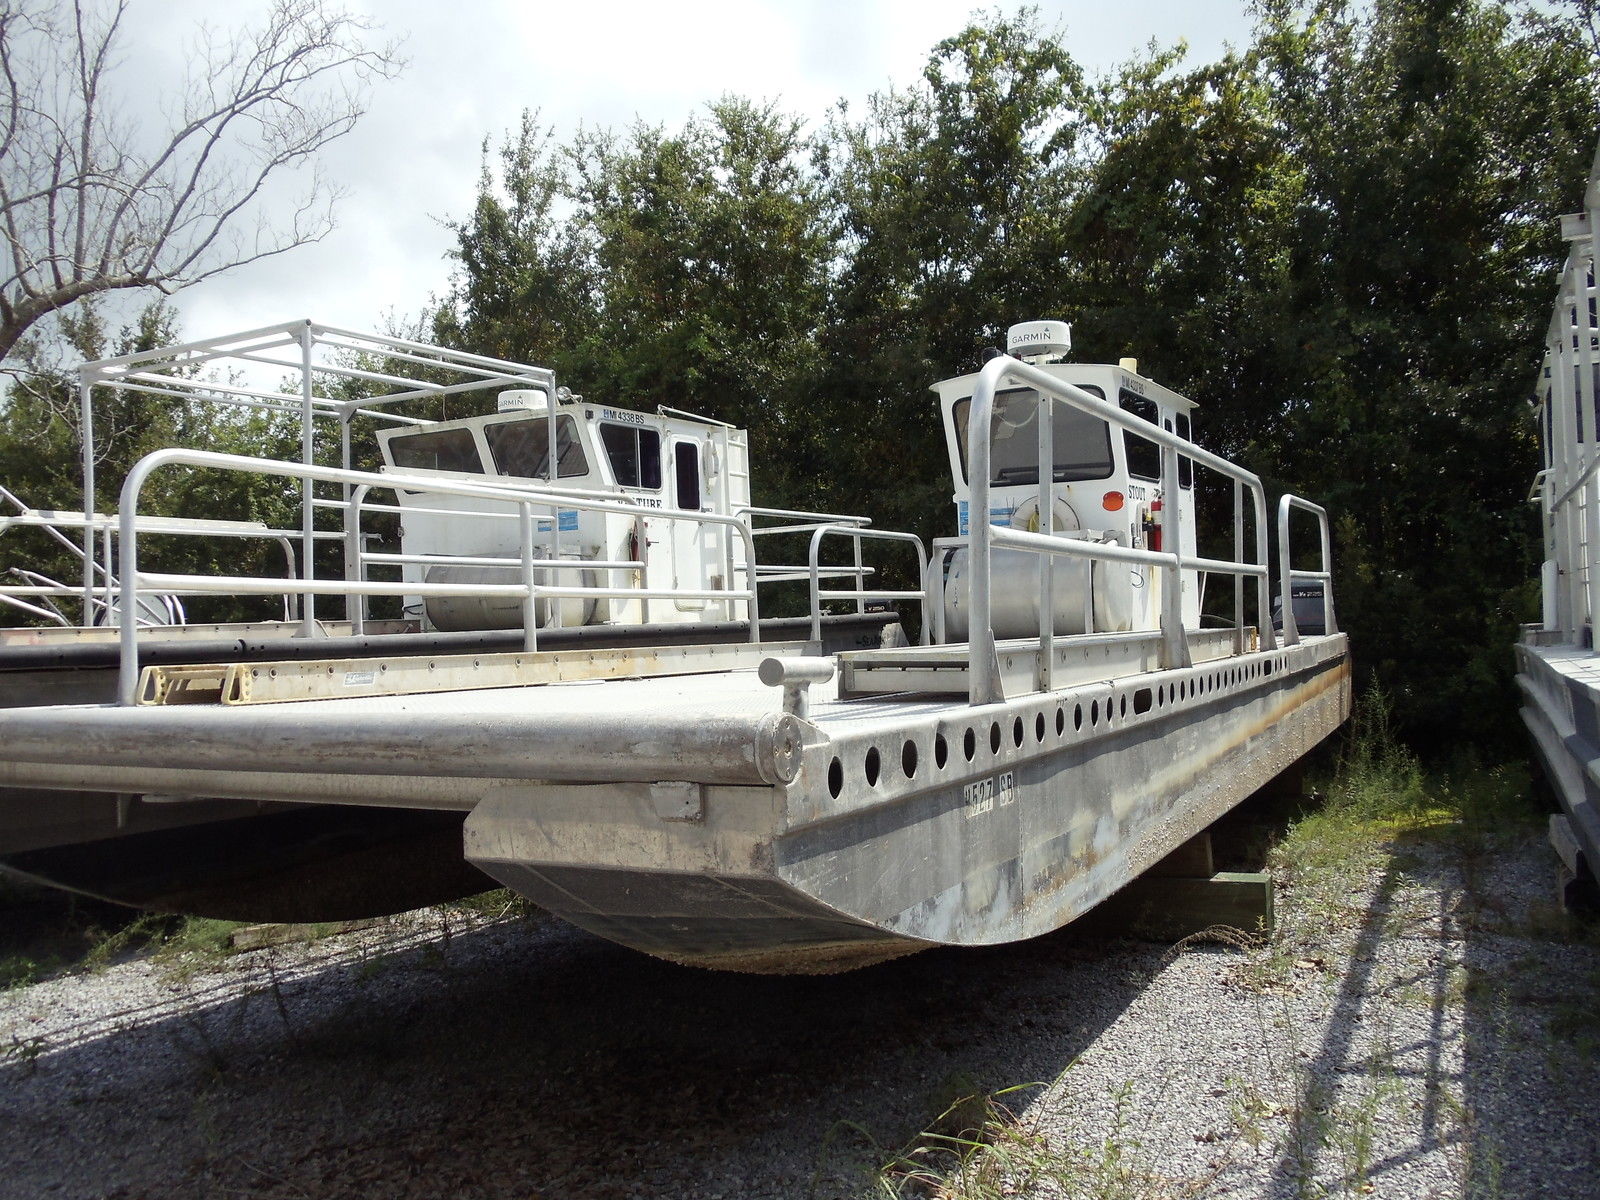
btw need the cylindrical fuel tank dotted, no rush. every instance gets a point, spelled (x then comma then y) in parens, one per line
(459, 613)
(1014, 594)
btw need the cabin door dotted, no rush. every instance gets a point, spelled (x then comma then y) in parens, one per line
(695, 546)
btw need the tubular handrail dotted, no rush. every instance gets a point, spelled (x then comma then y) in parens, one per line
(983, 665)
(860, 595)
(755, 510)
(1287, 574)
(103, 525)
(1584, 476)
(526, 499)
(557, 502)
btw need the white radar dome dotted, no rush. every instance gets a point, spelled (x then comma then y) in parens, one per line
(1039, 339)
(535, 398)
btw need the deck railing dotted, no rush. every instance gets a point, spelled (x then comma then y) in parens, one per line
(1288, 576)
(861, 595)
(983, 663)
(1568, 488)
(527, 589)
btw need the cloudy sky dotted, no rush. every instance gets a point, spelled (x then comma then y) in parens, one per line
(476, 64)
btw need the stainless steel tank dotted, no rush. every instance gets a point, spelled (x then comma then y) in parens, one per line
(459, 613)
(1014, 595)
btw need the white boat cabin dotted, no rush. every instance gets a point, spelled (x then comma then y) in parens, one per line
(671, 468)
(1106, 487)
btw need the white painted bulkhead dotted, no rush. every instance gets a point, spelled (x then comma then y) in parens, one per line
(1107, 487)
(660, 464)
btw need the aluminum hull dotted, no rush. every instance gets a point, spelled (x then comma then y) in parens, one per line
(693, 817)
(1560, 686)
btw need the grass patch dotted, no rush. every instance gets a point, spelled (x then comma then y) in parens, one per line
(19, 970)
(980, 1149)
(493, 905)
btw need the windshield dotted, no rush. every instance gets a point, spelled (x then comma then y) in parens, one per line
(437, 450)
(521, 447)
(1082, 443)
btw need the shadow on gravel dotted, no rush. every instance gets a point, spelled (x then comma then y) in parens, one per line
(1500, 1057)
(1530, 991)
(539, 1062)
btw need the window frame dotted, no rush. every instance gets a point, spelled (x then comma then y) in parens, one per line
(638, 433)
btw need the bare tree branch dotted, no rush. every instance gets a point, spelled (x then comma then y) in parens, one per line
(89, 204)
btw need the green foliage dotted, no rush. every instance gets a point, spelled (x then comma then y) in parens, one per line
(41, 454)
(1339, 240)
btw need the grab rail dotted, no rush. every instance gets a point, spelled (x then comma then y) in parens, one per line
(1287, 575)
(860, 595)
(526, 499)
(983, 664)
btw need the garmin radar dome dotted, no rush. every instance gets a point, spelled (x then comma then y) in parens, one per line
(1039, 341)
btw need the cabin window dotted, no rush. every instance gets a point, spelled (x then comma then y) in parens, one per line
(1144, 456)
(1577, 398)
(1594, 398)
(521, 447)
(686, 462)
(634, 454)
(1082, 443)
(437, 450)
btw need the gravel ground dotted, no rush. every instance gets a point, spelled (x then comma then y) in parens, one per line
(1423, 1026)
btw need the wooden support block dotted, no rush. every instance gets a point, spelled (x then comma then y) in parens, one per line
(1169, 908)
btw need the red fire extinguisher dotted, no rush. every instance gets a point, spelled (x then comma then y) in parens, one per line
(1152, 526)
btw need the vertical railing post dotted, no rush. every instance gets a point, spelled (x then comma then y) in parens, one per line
(860, 568)
(814, 582)
(108, 585)
(530, 611)
(308, 542)
(1238, 556)
(983, 666)
(1174, 643)
(1584, 396)
(86, 439)
(1571, 418)
(1047, 564)
(1549, 607)
(355, 604)
(1591, 550)
(556, 574)
(1263, 581)
(1291, 627)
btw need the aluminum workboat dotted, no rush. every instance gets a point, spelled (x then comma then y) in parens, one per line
(581, 698)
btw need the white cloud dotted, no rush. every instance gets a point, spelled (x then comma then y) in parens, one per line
(476, 64)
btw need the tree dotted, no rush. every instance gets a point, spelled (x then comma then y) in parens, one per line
(686, 269)
(949, 200)
(41, 444)
(90, 204)
(1439, 140)
(525, 288)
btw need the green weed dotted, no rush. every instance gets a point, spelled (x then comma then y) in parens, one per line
(25, 1051)
(493, 905)
(19, 970)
